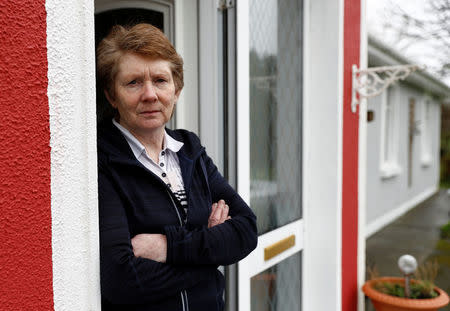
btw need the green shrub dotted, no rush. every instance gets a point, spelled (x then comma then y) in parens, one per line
(419, 289)
(445, 231)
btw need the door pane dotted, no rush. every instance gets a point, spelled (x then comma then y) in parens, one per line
(275, 111)
(279, 287)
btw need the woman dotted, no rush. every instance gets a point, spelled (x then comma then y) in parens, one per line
(161, 236)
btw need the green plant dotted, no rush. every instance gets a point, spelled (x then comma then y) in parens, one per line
(419, 289)
(422, 286)
(445, 231)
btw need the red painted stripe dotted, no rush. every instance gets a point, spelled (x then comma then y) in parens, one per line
(25, 218)
(352, 22)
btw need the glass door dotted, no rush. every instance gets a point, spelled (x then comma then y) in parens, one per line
(270, 277)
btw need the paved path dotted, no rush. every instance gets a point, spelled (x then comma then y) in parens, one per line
(415, 233)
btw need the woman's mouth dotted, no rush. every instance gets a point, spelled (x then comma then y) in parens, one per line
(149, 112)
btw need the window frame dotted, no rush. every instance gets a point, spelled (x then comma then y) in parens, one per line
(390, 128)
(425, 131)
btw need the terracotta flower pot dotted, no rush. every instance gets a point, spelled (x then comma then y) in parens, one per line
(384, 302)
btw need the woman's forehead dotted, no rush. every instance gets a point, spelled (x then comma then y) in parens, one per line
(136, 64)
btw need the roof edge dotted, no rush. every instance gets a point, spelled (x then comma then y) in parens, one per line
(381, 55)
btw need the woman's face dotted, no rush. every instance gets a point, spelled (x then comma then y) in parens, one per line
(144, 93)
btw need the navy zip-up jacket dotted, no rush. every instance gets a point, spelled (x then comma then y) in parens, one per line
(133, 200)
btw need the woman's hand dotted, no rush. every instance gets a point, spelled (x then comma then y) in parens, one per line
(150, 246)
(154, 246)
(219, 213)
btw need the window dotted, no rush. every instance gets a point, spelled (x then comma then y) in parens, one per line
(389, 166)
(425, 132)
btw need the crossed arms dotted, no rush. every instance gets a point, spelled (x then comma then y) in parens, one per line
(154, 246)
(147, 268)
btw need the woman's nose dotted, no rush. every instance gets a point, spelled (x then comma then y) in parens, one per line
(149, 92)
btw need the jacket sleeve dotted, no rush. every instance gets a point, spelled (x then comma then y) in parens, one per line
(126, 279)
(223, 244)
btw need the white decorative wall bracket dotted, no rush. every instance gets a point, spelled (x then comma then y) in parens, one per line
(373, 81)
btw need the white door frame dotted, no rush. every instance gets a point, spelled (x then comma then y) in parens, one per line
(210, 129)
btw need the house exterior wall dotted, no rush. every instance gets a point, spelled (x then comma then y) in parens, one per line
(25, 221)
(322, 191)
(390, 197)
(350, 145)
(49, 187)
(71, 102)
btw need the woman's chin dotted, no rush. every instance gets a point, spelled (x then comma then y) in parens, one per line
(151, 125)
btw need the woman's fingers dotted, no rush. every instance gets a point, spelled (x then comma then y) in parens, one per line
(219, 210)
(219, 214)
(213, 210)
(216, 214)
(225, 212)
(211, 216)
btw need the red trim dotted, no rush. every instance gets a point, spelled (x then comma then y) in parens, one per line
(352, 22)
(25, 218)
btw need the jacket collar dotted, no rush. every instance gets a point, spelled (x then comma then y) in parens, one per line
(112, 143)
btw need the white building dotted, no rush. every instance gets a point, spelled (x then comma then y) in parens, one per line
(403, 141)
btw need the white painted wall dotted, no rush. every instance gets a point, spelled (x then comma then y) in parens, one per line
(322, 154)
(71, 95)
(388, 198)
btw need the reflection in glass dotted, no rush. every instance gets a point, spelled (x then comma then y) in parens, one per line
(275, 111)
(279, 287)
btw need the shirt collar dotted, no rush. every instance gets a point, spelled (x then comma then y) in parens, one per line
(171, 143)
(138, 148)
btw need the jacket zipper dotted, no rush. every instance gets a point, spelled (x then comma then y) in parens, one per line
(184, 300)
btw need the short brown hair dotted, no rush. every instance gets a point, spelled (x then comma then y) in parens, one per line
(142, 39)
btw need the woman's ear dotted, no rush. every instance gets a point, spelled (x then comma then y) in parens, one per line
(110, 99)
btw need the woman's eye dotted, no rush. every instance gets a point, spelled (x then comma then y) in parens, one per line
(160, 80)
(132, 82)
